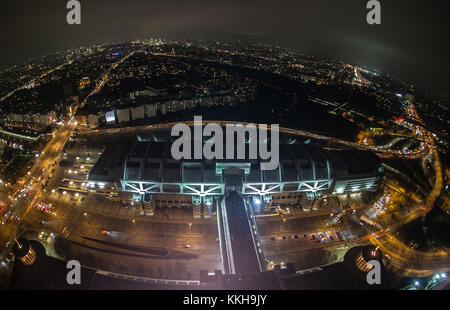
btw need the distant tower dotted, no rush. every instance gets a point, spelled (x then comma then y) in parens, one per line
(24, 251)
(357, 260)
(367, 254)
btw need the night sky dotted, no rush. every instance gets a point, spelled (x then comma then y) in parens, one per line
(412, 41)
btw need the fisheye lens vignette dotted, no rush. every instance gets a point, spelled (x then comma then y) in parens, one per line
(190, 164)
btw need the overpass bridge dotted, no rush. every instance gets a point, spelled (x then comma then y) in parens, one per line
(238, 236)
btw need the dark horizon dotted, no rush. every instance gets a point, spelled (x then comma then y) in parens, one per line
(410, 42)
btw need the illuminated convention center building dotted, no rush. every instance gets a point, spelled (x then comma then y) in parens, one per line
(144, 173)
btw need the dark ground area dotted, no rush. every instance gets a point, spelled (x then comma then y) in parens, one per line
(430, 231)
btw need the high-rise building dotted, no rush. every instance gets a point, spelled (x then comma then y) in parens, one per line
(24, 251)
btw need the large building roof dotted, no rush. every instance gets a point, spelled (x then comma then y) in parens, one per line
(152, 161)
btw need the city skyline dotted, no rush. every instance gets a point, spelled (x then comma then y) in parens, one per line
(409, 42)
